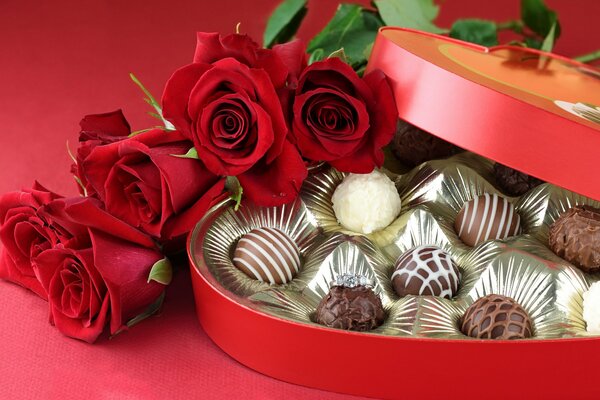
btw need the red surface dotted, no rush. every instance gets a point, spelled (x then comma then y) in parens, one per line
(63, 59)
(516, 123)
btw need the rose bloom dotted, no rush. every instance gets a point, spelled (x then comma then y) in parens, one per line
(100, 278)
(227, 103)
(24, 235)
(142, 182)
(97, 130)
(341, 118)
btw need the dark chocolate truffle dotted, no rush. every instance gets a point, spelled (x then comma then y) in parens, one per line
(352, 308)
(513, 182)
(413, 146)
(496, 317)
(487, 217)
(426, 271)
(267, 254)
(575, 236)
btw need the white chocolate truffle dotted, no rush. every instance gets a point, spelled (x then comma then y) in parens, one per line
(591, 308)
(366, 203)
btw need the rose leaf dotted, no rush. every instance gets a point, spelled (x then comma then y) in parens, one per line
(152, 101)
(539, 18)
(150, 311)
(316, 55)
(234, 187)
(353, 28)
(415, 14)
(341, 54)
(161, 272)
(192, 153)
(475, 31)
(549, 40)
(284, 22)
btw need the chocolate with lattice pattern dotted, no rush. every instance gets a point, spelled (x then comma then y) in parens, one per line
(496, 317)
(426, 271)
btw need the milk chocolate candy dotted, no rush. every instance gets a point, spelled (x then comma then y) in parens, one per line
(496, 317)
(268, 255)
(413, 146)
(575, 236)
(487, 217)
(352, 308)
(426, 271)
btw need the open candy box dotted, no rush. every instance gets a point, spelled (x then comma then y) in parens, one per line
(275, 329)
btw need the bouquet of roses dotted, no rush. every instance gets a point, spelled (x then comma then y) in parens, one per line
(240, 118)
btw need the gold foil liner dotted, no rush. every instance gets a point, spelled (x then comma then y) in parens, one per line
(356, 256)
(222, 236)
(521, 267)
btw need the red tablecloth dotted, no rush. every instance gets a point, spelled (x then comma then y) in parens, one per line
(63, 59)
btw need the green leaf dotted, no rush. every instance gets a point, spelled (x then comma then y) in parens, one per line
(316, 55)
(284, 22)
(533, 43)
(352, 28)
(192, 153)
(475, 31)
(234, 187)
(539, 18)
(150, 311)
(589, 57)
(415, 14)
(548, 42)
(152, 101)
(341, 54)
(161, 272)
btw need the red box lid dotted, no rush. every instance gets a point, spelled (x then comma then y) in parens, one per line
(533, 111)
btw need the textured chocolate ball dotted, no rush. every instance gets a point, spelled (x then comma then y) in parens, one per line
(487, 217)
(513, 182)
(268, 255)
(426, 271)
(413, 146)
(351, 308)
(575, 236)
(496, 317)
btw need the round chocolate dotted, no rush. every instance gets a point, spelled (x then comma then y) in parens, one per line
(426, 271)
(267, 254)
(413, 146)
(513, 182)
(575, 236)
(352, 308)
(496, 317)
(486, 217)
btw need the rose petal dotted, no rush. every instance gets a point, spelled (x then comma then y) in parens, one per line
(111, 124)
(276, 183)
(176, 94)
(125, 268)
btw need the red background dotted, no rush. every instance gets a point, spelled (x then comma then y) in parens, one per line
(64, 59)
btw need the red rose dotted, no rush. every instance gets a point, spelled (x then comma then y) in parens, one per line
(342, 119)
(141, 182)
(97, 130)
(24, 235)
(226, 102)
(103, 278)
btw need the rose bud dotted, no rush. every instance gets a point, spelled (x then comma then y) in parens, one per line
(142, 182)
(24, 235)
(341, 118)
(100, 278)
(97, 130)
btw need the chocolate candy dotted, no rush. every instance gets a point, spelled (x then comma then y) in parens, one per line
(426, 271)
(352, 308)
(575, 236)
(496, 317)
(413, 146)
(487, 217)
(268, 255)
(513, 182)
